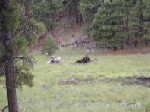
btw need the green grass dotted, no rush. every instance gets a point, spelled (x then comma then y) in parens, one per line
(48, 95)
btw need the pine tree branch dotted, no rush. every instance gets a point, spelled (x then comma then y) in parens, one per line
(3, 110)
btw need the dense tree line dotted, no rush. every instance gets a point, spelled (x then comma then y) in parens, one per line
(118, 23)
(112, 23)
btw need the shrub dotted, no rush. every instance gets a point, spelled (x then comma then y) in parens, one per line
(49, 46)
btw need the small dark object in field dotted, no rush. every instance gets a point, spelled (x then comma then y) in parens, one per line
(85, 59)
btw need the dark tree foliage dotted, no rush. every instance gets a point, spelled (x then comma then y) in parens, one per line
(89, 8)
(7, 57)
(108, 26)
(49, 46)
(136, 23)
(64, 2)
(17, 30)
(45, 11)
(122, 23)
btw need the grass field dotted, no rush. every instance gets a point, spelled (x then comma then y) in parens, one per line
(112, 84)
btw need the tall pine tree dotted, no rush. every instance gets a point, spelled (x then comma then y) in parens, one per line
(136, 23)
(6, 38)
(17, 29)
(108, 26)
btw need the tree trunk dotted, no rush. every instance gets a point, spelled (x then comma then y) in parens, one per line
(146, 43)
(80, 18)
(9, 65)
(127, 29)
(10, 85)
(77, 16)
(135, 43)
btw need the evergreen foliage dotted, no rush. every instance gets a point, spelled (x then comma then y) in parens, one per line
(89, 8)
(11, 16)
(120, 23)
(49, 46)
(24, 31)
(146, 23)
(137, 21)
(23, 74)
(108, 25)
(44, 11)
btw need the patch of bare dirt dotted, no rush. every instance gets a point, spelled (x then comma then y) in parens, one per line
(39, 42)
(130, 80)
(76, 81)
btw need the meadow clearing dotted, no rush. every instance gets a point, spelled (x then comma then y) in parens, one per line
(114, 83)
